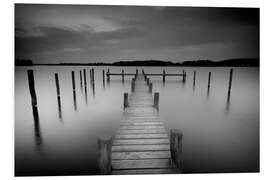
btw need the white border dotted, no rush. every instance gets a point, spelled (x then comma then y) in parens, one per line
(7, 85)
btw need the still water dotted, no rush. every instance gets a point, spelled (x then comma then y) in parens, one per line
(219, 135)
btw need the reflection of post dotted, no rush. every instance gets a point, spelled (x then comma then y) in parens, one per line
(81, 79)
(85, 85)
(230, 84)
(74, 90)
(31, 83)
(194, 79)
(58, 95)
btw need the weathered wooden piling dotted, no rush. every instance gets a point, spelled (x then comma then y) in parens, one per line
(93, 75)
(156, 100)
(103, 77)
(31, 83)
(58, 95)
(125, 100)
(132, 85)
(104, 154)
(230, 83)
(123, 79)
(147, 81)
(81, 79)
(194, 78)
(184, 76)
(74, 90)
(176, 137)
(209, 79)
(150, 87)
(108, 75)
(163, 75)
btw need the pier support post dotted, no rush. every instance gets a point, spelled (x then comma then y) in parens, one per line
(184, 76)
(176, 137)
(132, 85)
(81, 79)
(104, 154)
(147, 81)
(150, 87)
(103, 76)
(93, 75)
(194, 79)
(31, 82)
(209, 79)
(123, 79)
(125, 100)
(156, 100)
(58, 95)
(74, 90)
(230, 84)
(108, 75)
(164, 74)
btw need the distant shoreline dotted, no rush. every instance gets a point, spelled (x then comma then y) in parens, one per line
(244, 62)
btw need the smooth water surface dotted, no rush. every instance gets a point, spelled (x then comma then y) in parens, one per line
(220, 134)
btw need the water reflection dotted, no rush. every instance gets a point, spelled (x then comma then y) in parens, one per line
(227, 107)
(37, 132)
(194, 80)
(81, 80)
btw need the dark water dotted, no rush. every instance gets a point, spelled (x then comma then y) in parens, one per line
(219, 135)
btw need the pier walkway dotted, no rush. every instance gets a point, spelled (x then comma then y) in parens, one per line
(141, 144)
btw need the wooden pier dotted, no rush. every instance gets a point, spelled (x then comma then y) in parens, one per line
(141, 145)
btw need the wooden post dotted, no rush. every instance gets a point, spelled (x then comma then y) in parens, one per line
(132, 85)
(74, 90)
(184, 76)
(57, 84)
(93, 75)
(104, 154)
(164, 73)
(147, 81)
(31, 83)
(194, 78)
(125, 100)
(156, 100)
(176, 137)
(58, 95)
(209, 79)
(230, 83)
(123, 75)
(103, 76)
(108, 75)
(150, 87)
(81, 78)
(84, 76)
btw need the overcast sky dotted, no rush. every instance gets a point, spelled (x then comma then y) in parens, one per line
(72, 33)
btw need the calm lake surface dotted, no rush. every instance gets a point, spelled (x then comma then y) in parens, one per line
(219, 135)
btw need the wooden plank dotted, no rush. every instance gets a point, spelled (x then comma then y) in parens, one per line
(160, 147)
(140, 136)
(145, 171)
(140, 141)
(141, 155)
(140, 123)
(141, 164)
(141, 131)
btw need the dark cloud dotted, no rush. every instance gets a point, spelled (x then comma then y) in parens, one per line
(47, 32)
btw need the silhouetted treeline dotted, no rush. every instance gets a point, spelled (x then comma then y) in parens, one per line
(23, 62)
(244, 62)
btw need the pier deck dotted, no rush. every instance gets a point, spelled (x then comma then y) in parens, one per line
(141, 144)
